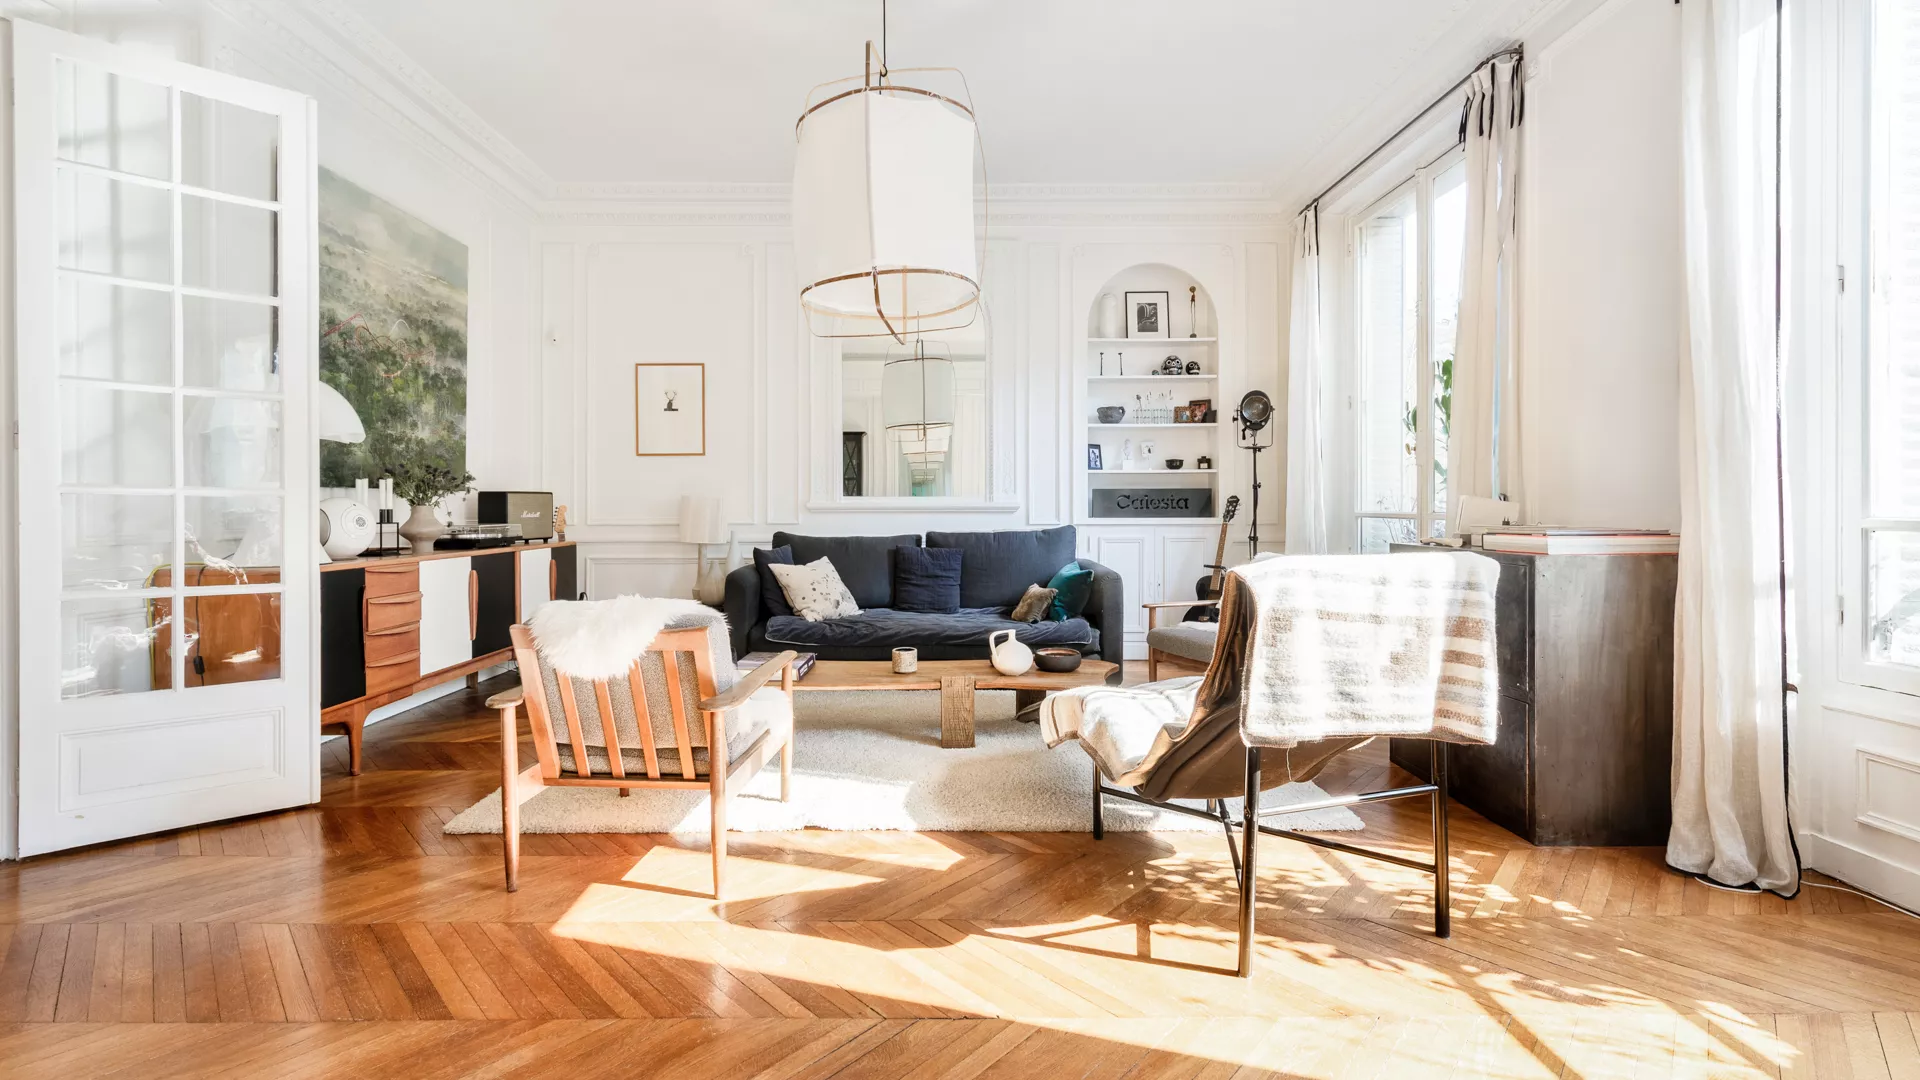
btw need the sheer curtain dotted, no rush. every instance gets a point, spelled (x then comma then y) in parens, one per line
(1483, 438)
(1729, 776)
(1306, 454)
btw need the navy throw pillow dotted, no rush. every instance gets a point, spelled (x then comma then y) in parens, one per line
(771, 597)
(1072, 587)
(926, 579)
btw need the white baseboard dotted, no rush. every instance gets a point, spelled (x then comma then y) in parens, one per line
(1861, 870)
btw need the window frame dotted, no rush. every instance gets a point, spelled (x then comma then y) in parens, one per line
(1861, 289)
(1422, 184)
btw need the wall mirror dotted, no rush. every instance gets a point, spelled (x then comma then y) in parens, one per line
(914, 417)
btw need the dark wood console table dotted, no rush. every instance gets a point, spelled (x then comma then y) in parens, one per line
(1586, 702)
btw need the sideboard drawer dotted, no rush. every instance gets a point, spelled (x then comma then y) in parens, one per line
(389, 613)
(394, 673)
(392, 580)
(384, 647)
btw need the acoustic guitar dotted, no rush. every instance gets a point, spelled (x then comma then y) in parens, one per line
(1208, 587)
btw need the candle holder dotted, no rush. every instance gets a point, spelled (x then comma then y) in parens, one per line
(386, 536)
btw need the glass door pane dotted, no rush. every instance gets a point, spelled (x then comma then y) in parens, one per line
(1388, 280)
(1447, 244)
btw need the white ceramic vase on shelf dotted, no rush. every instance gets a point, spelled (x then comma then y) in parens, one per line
(1110, 324)
(422, 528)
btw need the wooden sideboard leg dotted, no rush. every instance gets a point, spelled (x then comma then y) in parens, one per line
(356, 725)
(956, 711)
(473, 680)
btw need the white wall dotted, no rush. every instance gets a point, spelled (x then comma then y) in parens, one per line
(634, 282)
(1601, 306)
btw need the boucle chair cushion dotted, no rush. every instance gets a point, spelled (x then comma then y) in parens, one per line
(1189, 641)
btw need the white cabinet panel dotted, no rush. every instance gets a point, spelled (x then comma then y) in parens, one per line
(1129, 555)
(446, 619)
(1183, 560)
(536, 581)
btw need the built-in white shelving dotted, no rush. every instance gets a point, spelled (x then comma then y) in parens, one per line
(1148, 342)
(1204, 377)
(1161, 427)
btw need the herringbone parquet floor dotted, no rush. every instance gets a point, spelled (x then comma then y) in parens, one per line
(354, 939)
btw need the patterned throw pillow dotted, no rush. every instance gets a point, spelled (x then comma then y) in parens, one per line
(1033, 606)
(815, 590)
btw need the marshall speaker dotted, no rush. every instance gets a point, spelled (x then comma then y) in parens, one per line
(531, 510)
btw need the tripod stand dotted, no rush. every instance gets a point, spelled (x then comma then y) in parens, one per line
(1253, 415)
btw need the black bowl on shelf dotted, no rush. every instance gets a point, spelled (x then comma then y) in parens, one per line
(1175, 463)
(1110, 414)
(1056, 661)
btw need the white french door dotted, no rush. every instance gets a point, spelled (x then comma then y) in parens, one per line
(165, 297)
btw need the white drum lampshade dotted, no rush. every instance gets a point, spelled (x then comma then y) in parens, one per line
(917, 396)
(703, 521)
(883, 213)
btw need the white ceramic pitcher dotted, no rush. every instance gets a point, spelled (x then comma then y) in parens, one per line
(1010, 657)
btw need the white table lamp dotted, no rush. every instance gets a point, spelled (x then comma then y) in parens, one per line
(703, 522)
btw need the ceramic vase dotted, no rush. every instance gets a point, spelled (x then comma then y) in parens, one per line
(1110, 324)
(422, 528)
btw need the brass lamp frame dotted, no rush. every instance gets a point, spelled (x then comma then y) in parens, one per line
(876, 78)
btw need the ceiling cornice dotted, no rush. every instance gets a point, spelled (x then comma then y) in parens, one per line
(355, 60)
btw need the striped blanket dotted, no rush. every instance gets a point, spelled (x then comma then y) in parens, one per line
(1360, 645)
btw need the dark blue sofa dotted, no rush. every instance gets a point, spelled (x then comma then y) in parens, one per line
(995, 569)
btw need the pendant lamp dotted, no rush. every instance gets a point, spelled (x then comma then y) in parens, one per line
(917, 396)
(883, 225)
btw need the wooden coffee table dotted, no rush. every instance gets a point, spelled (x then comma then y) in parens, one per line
(956, 680)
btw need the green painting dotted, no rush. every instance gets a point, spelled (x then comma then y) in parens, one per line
(393, 334)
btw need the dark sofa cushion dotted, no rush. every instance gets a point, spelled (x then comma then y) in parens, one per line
(997, 567)
(883, 629)
(1072, 587)
(772, 598)
(865, 563)
(926, 579)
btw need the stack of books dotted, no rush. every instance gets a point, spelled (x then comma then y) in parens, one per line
(801, 664)
(1546, 540)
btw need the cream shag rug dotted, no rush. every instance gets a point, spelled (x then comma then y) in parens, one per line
(872, 760)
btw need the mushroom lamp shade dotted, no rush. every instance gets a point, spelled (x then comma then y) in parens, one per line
(883, 223)
(338, 422)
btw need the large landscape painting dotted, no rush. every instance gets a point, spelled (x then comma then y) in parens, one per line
(393, 333)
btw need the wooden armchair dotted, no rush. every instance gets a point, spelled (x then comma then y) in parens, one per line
(642, 732)
(1183, 645)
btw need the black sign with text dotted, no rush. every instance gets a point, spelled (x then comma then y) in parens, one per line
(1151, 502)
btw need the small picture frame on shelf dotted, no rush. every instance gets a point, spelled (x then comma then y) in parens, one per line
(1094, 462)
(1199, 407)
(1182, 414)
(1147, 315)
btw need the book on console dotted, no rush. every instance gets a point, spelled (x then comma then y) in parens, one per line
(802, 663)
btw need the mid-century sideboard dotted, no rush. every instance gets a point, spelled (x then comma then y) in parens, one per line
(391, 626)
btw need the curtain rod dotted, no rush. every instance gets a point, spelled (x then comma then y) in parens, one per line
(1515, 51)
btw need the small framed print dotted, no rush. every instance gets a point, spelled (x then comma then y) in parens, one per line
(1199, 407)
(1147, 315)
(1094, 462)
(669, 410)
(1183, 414)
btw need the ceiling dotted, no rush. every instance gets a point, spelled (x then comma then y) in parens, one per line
(1067, 91)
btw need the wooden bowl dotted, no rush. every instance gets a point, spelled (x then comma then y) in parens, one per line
(1056, 661)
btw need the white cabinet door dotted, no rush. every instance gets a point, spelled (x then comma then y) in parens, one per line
(1130, 555)
(446, 613)
(1183, 561)
(536, 581)
(164, 300)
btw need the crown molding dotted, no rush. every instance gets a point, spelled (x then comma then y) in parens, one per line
(356, 61)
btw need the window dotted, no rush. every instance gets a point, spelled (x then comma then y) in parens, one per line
(1407, 251)
(1882, 531)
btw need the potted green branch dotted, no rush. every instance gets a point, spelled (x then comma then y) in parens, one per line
(422, 483)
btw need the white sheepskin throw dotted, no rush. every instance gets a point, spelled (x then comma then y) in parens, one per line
(600, 639)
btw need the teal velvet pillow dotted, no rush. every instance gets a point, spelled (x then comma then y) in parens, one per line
(1072, 587)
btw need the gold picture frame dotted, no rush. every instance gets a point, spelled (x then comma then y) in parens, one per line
(674, 398)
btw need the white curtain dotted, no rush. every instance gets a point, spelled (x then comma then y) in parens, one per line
(1306, 375)
(1483, 441)
(1729, 778)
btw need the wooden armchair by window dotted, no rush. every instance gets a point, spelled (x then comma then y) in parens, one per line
(1185, 645)
(653, 729)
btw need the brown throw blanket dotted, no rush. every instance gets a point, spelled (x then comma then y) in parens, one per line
(1343, 646)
